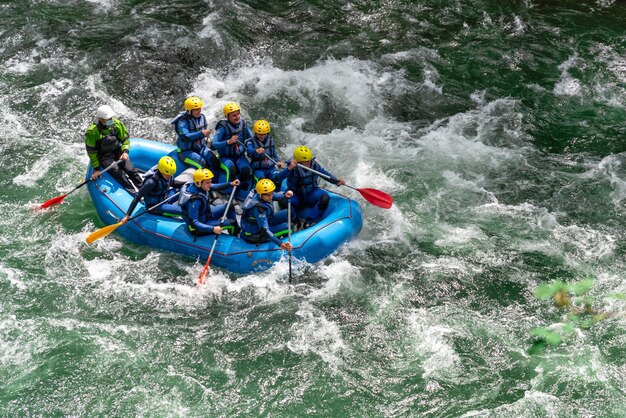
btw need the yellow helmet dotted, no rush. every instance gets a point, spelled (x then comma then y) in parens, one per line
(265, 186)
(230, 108)
(261, 127)
(202, 174)
(193, 102)
(167, 166)
(302, 153)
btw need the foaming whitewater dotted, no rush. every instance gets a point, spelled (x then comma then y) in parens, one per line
(348, 89)
(314, 333)
(440, 358)
(568, 85)
(495, 126)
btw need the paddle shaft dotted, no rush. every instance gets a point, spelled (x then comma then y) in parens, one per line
(106, 169)
(208, 260)
(310, 169)
(103, 232)
(59, 199)
(153, 207)
(101, 173)
(90, 179)
(375, 197)
(289, 234)
(288, 213)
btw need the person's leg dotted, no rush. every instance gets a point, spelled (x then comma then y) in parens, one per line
(167, 209)
(191, 159)
(231, 170)
(217, 211)
(210, 160)
(279, 225)
(106, 161)
(280, 230)
(171, 210)
(118, 174)
(230, 223)
(133, 175)
(296, 202)
(297, 207)
(281, 216)
(318, 201)
(254, 238)
(257, 175)
(243, 167)
(271, 174)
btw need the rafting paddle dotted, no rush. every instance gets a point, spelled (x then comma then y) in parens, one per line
(103, 232)
(289, 234)
(57, 200)
(375, 197)
(205, 270)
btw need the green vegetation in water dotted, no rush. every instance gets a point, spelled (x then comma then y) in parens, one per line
(581, 314)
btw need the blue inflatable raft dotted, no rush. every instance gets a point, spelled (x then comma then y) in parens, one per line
(341, 222)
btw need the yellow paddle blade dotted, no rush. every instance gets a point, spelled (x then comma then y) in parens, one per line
(103, 232)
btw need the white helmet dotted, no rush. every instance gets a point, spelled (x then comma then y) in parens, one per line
(104, 112)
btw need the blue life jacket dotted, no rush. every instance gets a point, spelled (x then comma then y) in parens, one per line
(159, 191)
(185, 194)
(260, 161)
(183, 142)
(249, 223)
(303, 181)
(233, 150)
(191, 193)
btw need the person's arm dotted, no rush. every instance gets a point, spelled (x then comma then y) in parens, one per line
(317, 167)
(218, 187)
(219, 139)
(122, 135)
(221, 186)
(145, 189)
(251, 149)
(282, 175)
(334, 180)
(91, 138)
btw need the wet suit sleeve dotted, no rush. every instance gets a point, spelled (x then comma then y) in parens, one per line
(145, 189)
(220, 186)
(92, 136)
(282, 175)
(278, 196)
(261, 220)
(250, 148)
(219, 139)
(334, 180)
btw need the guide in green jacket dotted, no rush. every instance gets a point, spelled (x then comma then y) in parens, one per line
(107, 141)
